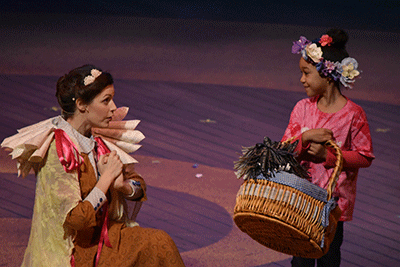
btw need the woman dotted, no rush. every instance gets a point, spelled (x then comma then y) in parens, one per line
(79, 216)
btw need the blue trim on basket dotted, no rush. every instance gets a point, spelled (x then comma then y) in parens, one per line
(298, 183)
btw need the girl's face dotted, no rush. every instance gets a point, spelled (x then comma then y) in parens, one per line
(101, 109)
(313, 83)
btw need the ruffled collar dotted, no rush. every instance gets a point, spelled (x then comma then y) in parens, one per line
(83, 143)
(29, 146)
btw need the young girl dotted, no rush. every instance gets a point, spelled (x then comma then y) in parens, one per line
(327, 114)
(79, 216)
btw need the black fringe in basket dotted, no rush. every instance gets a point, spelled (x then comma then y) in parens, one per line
(268, 158)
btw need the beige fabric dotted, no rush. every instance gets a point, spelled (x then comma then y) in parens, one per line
(55, 197)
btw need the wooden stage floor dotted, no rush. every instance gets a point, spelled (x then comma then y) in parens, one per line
(187, 124)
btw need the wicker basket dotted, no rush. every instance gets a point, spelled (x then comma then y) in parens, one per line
(288, 213)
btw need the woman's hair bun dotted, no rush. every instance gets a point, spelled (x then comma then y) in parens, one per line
(339, 38)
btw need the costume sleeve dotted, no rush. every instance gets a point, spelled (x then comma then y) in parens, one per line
(294, 130)
(97, 198)
(351, 160)
(138, 184)
(81, 217)
(294, 127)
(360, 136)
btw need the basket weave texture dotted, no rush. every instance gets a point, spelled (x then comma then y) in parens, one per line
(289, 214)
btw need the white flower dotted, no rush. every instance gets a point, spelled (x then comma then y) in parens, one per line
(90, 78)
(95, 73)
(348, 71)
(349, 66)
(314, 52)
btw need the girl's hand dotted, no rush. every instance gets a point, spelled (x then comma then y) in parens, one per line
(318, 151)
(319, 135)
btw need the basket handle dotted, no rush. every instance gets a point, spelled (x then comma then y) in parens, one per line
(338, 164)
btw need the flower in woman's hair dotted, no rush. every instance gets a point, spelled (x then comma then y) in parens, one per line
(90, 78)
(95, 73)
(325, 40)
(314, 52)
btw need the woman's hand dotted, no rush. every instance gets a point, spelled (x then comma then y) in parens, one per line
(121, 184)
(320, 135)
(110, 168)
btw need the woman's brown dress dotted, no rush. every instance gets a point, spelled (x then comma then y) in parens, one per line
(131, 246)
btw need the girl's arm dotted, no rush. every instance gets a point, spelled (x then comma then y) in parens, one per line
(360, 154)
(351, 159)
(310, 147)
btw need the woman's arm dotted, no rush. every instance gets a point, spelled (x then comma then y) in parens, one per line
(131, 184)
(84, 214)
(81, 217)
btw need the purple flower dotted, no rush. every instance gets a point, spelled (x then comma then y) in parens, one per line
(329, 65)
(300, 45)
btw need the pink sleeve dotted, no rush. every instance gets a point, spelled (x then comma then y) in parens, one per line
(294, 127)
(351, 159)
(300, 149)
(361, 137)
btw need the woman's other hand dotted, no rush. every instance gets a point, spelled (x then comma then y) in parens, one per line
(121, 184)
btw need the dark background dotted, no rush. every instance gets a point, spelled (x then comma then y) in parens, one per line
(375, 15)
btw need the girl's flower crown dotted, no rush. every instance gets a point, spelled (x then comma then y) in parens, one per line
(345, 71)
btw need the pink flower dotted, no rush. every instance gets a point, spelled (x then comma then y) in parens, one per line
(325, 40)
(330, 66)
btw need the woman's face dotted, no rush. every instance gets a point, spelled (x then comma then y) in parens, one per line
(313, 83)
(101, 109)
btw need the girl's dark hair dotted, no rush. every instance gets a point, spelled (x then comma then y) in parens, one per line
(71, 86)
(337, 50)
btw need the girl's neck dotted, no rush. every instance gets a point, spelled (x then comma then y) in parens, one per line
(331, 101)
